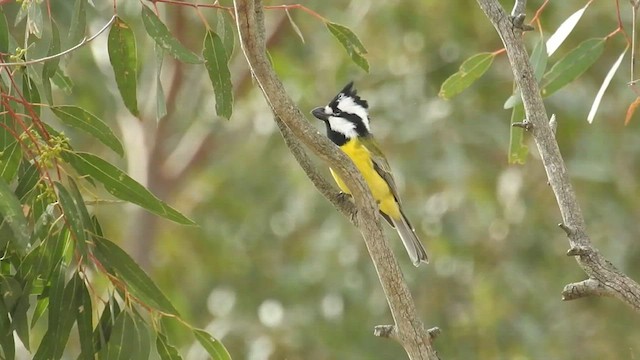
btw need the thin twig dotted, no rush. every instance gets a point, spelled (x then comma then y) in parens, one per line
(84, 41)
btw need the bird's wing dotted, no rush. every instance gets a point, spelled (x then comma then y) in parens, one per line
(380, 163)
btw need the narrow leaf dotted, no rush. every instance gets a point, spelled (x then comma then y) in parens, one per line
(124, 60)
(84, 319)
(604, 86)
(121, 340)
(574, 64)
(4, 34)
(82, 119)
(213, 346)
(72, 216)
(78, 23)
(161, 35)
(121, 185)
(30, 93)
(161, 105)
(224, 27)
(631, 110)
(63, 81)
(102, 333)
(470, 71)
(166, 350)
(50, 66)
(6, 334)
(12, 216)
(564, 30)
(10, 159)
(138, 282)
(517, 149)
(27, 181)
(216, 63)
(294, 26)
(351, 43)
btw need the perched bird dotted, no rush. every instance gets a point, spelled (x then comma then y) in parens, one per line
(347, 121)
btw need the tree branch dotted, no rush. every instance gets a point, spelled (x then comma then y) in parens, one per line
(604, 278)
(408, 329)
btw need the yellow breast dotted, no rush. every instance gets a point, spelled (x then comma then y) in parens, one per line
(378, 186)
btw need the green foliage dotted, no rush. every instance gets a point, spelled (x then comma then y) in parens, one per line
(161, 35)
(470, 71)
(216, 58)
(350, 43)
(123, 55)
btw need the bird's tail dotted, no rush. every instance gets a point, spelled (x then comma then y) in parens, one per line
(416, 251)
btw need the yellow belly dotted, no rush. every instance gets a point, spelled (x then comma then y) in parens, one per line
(378, 186)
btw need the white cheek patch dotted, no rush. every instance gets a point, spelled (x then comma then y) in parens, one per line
(347, 105)
(344, 127)
(328, 110)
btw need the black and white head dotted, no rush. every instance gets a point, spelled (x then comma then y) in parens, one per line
(346, 116)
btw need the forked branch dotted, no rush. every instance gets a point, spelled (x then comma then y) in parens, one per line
(603, 278)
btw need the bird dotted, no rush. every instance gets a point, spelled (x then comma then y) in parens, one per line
(347, 122)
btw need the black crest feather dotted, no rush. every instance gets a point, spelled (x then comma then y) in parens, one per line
(349, 91)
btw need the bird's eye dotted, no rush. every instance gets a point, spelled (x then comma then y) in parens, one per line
(337, 113)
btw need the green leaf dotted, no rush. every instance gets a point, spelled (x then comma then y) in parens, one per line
(215, 60)
(351, 44)
(87, 222)
(41, 307)
(19, 317)
(6, 333)
(517, 149)
(121, 185)
(129, 339)
(161, 35)
(10, 159)
(27, 181)
(213, 346)
(78, 23)
(84, 318)
(224, 28)
(603, 87)
(124, 61)
(82, 119)
(166, 350)
(63, 81)
(63, 305)
(73, 217)
(12, 215)
(470, 71)
(572, 65)
(30, 93)
(139, 283)
(161, 105)
(4, 34)
(51, 66)
(102, 333)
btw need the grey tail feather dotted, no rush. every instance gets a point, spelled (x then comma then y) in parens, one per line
(414, 247)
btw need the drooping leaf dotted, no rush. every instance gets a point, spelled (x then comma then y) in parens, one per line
(65, 303)
(35, 20)
(213, 346)
(161, 35)
(121, 185)
(4, 34)
(124, 61)
(51, 66)
(27, 181)
(215, 57)
(102, 332)
(128, 340)
(351, 43)
(517, 149)
(41, 306)
(294, 26)
(87, 222)
(10, 159)
(604, 86)
(166, 350)
(82, 119)
(138, 282)
(12, 216)
(72, 217)
(84, 319)
(631, 110)
(63, 81)
(78, 23)
(7, 345)
(19, 317)
(161, 105)
(574, 64)
(563, 31)
(30, 93)
(224, 28)
(470, 71)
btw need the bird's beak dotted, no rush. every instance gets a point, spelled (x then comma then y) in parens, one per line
(320, 114)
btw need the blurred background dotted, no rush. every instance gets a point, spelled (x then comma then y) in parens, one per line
(276, 273)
